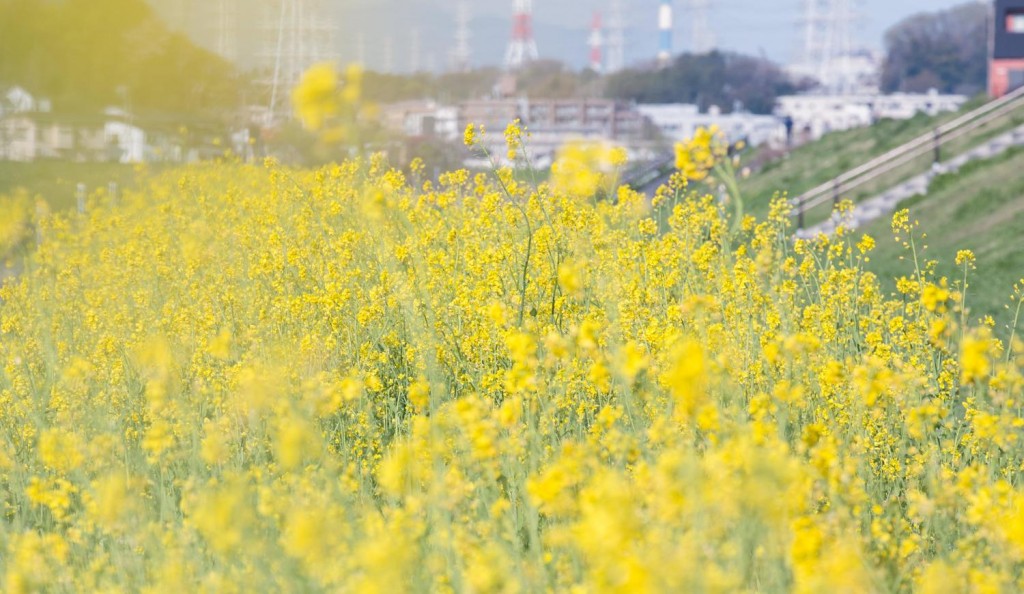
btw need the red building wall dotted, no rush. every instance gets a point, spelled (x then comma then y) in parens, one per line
(1006, 68)
(999, 75)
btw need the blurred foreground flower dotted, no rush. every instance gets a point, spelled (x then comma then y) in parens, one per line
(331, 105)
(582, 168)
(15, 221)
(316, 99)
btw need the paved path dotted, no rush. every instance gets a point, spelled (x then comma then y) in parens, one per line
(885, 203)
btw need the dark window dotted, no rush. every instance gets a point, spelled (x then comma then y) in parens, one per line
(1016, 79)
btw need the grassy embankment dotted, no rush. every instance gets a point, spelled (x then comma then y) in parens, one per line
(981, 208)
(818, 162)
(56, 181)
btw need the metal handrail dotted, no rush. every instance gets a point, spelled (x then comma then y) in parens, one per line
(907, 152)
(647, 172)
(925, 138)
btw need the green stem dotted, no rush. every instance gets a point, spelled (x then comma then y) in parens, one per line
(1013, 329)
(526, 270)
(727, 174)
(963, 300)
(529, 235)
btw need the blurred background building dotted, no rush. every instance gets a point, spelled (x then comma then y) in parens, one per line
(639, 72)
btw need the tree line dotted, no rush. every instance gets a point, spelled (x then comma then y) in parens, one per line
(945, 50)
(724, 79)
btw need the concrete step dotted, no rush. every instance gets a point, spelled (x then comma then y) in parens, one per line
(959, 162)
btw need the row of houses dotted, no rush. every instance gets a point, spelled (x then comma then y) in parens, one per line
(552, 122)
(679, 122)
(814, 115)
(32, 136)
(29, 130)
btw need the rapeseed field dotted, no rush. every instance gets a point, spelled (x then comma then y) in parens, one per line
(254, 378)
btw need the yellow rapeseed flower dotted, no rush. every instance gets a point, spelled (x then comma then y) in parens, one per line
(686, 377)
(315, 99)
(975, 357)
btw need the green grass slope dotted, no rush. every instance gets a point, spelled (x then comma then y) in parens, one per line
(980, 208)
(818, 162)
(56, 181)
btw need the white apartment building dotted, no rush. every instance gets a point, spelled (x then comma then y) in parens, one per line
(816, 115)
(903, 106)
(678, 122)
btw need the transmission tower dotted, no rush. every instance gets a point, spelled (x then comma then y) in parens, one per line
(828, 42)
(702, 35)
(225, 21)
(616, 58)
(415, 51)
(300, 34)
(361, 49)
(596, 43)
(522, 48)
(839, 43)
(462, 54)
(811, 22)
(389, 54)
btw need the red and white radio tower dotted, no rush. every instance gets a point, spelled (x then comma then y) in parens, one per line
(597, 44)
(522, 48)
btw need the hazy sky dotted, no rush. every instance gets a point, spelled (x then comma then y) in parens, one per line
(385, 29)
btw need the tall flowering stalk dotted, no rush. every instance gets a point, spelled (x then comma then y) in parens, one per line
(705, 154)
